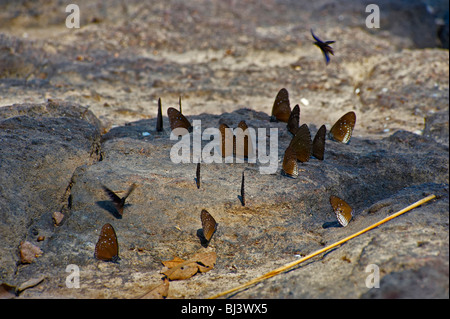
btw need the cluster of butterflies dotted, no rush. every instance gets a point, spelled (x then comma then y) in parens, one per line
(300, 149)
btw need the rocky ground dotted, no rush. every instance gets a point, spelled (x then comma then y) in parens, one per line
(78, 110)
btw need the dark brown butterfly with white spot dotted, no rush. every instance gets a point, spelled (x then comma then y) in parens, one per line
(343, 211)
(342, 130)
(281, 109)
(107, 247)
(178, 120)
(118, 202)
(298, 149)
(209, 224)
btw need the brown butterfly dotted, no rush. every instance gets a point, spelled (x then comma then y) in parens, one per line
(342, 130)
(209, 224)
(294, 120)
(228, 138)
(197, 179)
(118, 202)
(178, 120)
(281, 109)
(318, 144)
(343, 211)
(107, 247)
(248, 147)
(159, 119)
(228, 142)
(299, 149)
(242, 189)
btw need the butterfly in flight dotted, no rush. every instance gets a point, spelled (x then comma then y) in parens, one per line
(178, 120)
(342, 130)
(299, 149)
(107, 247)
(281, 109)
(324, 47)
(209, 224)
(343, 211)
(318, 144)
(118, 202)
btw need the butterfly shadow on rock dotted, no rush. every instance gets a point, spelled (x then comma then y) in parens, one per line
(110, 207)
(334, 223)
(203, 241)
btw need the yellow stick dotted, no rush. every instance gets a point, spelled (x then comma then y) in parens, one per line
(294, 263)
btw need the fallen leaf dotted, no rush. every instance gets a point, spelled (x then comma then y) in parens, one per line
(205, 260)
(174, 262)
(178, 269)
(30, 283)
(160, 291)
(182, 271)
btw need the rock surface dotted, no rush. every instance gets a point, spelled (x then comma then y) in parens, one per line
(97, 124)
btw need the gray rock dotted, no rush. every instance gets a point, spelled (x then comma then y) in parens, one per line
(282, 218)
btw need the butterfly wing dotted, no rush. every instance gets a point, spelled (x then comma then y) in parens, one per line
(228, 140)
(117, 201)
(343, 211)
(130, 190)
(281, 109)
(159, 119)
(294, 120)
(242, 189)
(107, 247)
(178, 120)
(342, 130)
(290, 167)
(208, 224)
(318, 145)
(315, 37)
(301, 144)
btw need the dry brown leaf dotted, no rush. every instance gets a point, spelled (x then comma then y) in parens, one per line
(160, 291)
(178, 269)
(205, 260)
(182, 271)
(174, 262)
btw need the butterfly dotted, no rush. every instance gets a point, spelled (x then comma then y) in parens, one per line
(118, 202)
(197, 180)
(342, 130)
(107, 247)
(294, 120)
(242, 189)
(178, 120)
(209, 224)
(228, 141)
(343, 211)
(245, 147)
(159, 119)
(281, 109)
(324, 47)
(318, 144)
(299, 149)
